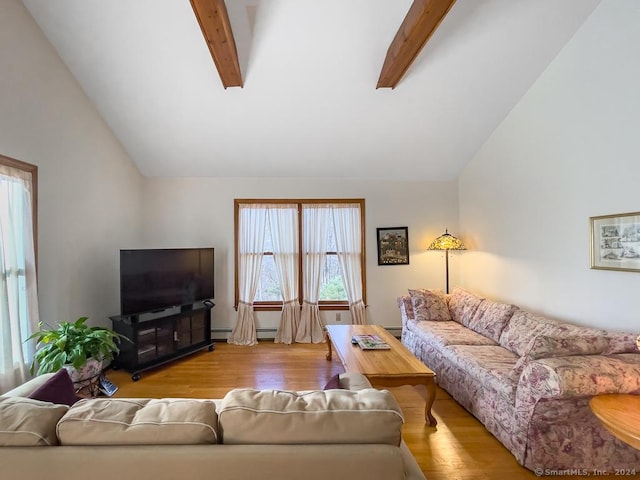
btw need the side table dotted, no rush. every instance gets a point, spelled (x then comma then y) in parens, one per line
(620, 414)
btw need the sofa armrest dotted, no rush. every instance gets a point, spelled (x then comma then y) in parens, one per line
(29, 386)
(406, 310)
(578, 376)
(412, 470)
(354, 381)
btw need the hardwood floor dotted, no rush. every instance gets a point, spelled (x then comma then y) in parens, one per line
(458, 448)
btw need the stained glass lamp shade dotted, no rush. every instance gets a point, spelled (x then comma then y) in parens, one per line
(447, 242)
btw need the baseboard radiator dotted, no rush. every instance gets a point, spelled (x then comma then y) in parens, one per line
(270, 333)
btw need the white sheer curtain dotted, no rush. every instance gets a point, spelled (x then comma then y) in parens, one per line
(18, 291)
(251, 232)
(316, 220)
(284, 237)
(346, 219)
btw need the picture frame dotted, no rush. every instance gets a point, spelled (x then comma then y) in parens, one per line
(615, 242)
(393, 245)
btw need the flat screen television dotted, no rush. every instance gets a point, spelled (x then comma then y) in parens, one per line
(156, 279)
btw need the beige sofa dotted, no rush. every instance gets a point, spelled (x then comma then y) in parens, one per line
(352, 432)
(526, 377)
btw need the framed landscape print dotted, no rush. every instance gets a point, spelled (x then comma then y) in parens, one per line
(393, 245)
(615, 242)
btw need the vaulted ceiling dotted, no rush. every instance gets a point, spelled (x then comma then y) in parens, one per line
(307, 93)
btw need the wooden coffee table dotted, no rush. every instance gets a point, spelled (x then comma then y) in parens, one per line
(384, 368)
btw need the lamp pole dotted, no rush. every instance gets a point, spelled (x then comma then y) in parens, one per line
(446, 267)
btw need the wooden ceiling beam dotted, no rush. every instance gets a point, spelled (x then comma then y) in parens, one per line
(214, 21)
(421, 21)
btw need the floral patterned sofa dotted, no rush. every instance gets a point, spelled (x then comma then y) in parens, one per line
(527, 378)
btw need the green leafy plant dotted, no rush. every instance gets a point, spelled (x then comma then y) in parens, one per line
(72, 343)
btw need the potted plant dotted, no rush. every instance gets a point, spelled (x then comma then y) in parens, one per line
(81, 349)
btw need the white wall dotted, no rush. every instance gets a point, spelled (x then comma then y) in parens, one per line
(89, 200)
(93, 201)
(192, 212)
(568, 151)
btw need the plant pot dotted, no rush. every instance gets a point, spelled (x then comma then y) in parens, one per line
(87, 375)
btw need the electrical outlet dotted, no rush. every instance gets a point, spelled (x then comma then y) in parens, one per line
(338, 317)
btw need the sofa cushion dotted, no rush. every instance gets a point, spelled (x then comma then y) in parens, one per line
(354, 381)
(366, 416)
(490, 318)
(25, 422)
(525, 326)
(462, 305)
(449, 333)
(139, 421)
(57, 389)
(429, 305)
(621, 343)
(544, 346)
(491, 365)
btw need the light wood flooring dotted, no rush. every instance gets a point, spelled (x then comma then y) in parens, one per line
(458, 448)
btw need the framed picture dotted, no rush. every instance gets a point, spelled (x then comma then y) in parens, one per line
(615, 242)
(393, 245)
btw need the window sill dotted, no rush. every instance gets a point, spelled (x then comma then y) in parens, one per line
(277, 308)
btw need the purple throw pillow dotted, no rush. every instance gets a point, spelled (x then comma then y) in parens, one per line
(58, 389)
(333, 383)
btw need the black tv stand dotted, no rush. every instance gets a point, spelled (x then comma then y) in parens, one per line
(158, 338)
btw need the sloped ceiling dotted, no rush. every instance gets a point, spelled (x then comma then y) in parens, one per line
(309, 106)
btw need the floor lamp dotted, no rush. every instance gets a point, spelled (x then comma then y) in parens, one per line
(447, 242)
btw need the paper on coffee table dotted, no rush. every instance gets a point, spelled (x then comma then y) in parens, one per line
(371, 342)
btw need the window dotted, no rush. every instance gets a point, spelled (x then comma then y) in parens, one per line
(18, 296)
(305, 218)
